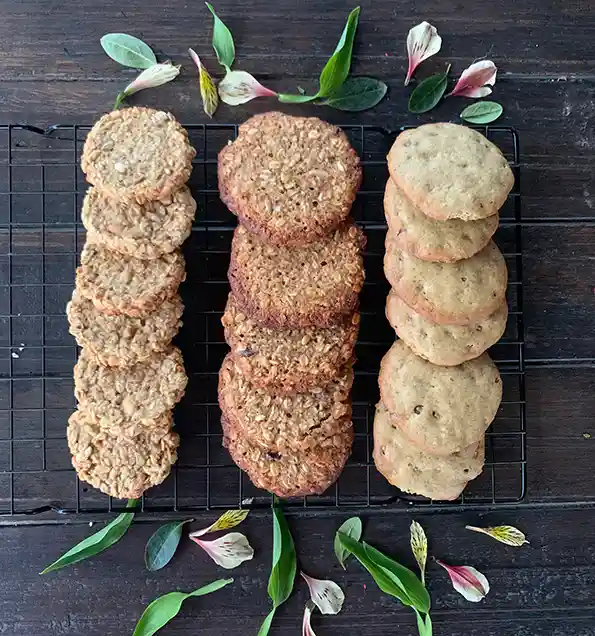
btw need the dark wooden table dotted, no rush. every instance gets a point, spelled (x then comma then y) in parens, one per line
(53, 70)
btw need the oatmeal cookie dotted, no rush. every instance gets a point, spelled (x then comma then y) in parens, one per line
(120, 465)
(124, 284)
(312, 286)
(118, 340)
(137, 153)
(141, 230)
(290, 179)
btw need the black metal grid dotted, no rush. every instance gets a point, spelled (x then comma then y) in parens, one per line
(41, 189)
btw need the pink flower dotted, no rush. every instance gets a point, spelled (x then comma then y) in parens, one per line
(423, 41)
(239, 87)
(476, 80)
(467, 581)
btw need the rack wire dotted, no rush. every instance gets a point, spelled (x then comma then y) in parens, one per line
(41, 190)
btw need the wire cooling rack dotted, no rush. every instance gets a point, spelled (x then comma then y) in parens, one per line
(41, 190)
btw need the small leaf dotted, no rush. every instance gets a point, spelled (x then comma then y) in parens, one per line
(476, 80)
(222, 41)
(208, 90)
(96, 543)
(326, 595)
(467, 581)
(301, 90)
(424, 627)
(306, 625)
(428, 93)
(505, 534)
(228, 551)
(352, 527)
(154, 76)
(423, 41)
(357, 94)
(229, 519)
(239, 87)
(419, 547)
(164, 608)
(162, 546)
(336, 70)
(128, 50)
(482, 112)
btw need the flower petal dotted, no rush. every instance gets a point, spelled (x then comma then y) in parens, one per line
(229, 519)
(474, 79)
(239, 87)
(467, 581)
(419, 547)
(153, 76)
(306, 626)
(326, 595)
(423, 41)
(208, 91)
(505, 534)
(228, 551)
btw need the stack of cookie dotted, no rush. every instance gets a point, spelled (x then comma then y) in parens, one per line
(291, 319)
(440, 391)
(126, 309)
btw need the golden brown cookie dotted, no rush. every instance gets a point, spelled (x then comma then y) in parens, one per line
(118, 340)
(417, 472)
(122, 464)
(143, 391)
(290, 179)
(288, 287)
(461, 293)
(431, 240)
(124, 284)
(445, 345)
(137, 153)
(288, 360)
(450, 171)
(278, 423)
(141, 230)
(441, 409)
(291, 474)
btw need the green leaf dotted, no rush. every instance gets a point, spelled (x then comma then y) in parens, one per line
(415, 589)
(351, 528)
(96, 543)
(428, 93)
(162, 546)
(336, 70)
(482, 112)
(164, 608)
(357, 94)
(284, 560)
(423, 627)
(266, 624)
(222, 41)
(128, 50)
(295, 99)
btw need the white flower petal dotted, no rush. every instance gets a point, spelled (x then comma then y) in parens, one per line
(228, 551)
(239, 87)
(325, 594)
(423, 41)
(478, 75)
(467, 581)
(306, 626)
(153, 76)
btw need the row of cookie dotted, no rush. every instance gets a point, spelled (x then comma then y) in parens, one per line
(125, 309)
(440, 391)
(291, 320)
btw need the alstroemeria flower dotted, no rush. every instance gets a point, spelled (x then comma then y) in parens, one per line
(153, 76)
(423, 41)
(326, 595)
(227, 551)
(306, 626)
(239, 87)
(208, 90)
(476, 80)
(229, 519)
(467, 581)
(505, 534)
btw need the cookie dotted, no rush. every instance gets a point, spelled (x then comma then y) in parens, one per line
(291, 474)
(441, 409)
(444, 345)
(290, 179)
(120, 284)
(450, 171)
(137, 154)
(431, 240)
(141, 392)
(141, 230)
(287, 287)
(119, 340)
(120, 465)
(288, 360)
(461, 293)
(414, 471)
(279, 423)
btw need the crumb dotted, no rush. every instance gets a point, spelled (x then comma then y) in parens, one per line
(90, 524)
(14, 354)
(587, 435)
